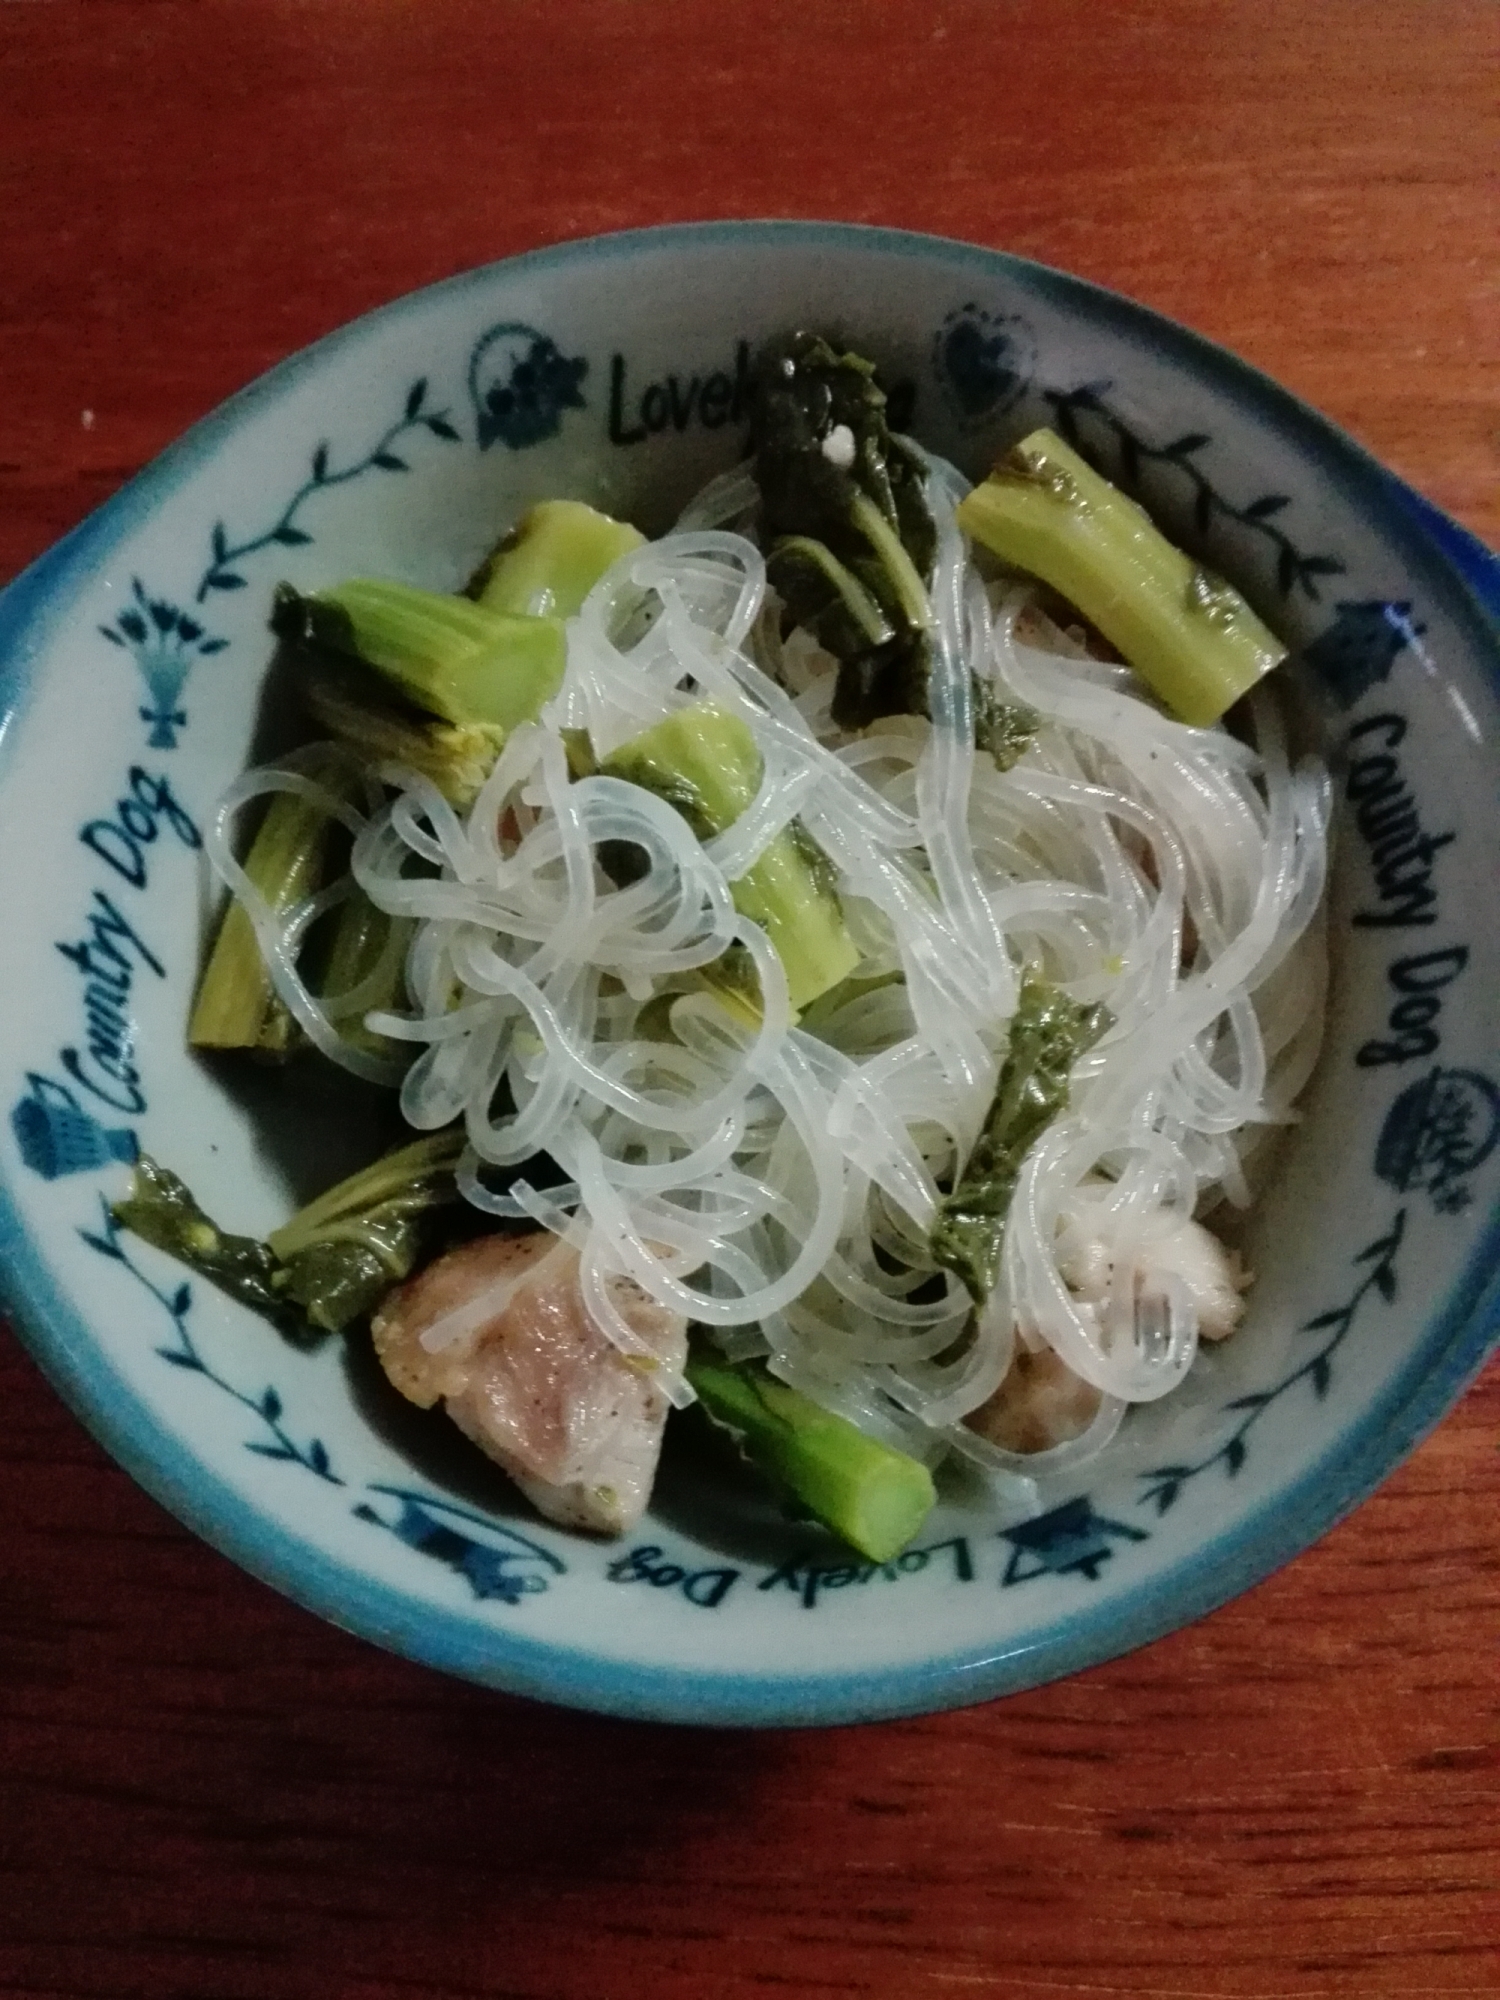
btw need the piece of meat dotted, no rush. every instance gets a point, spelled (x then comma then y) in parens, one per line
(1040, 1403)
(1162, 1245)
(523, 1370)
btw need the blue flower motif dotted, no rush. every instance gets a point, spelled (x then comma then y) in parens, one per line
(164, 642)
(520, 382)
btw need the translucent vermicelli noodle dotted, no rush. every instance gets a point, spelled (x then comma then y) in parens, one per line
(777, 1179)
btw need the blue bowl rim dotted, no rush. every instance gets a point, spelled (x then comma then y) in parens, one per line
(1452, 1349)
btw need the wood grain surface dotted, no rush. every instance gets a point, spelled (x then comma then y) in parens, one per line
(204, 1792)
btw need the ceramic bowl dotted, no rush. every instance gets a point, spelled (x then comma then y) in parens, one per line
(131, 662)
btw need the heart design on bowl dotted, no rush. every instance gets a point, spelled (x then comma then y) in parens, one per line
(984, 361)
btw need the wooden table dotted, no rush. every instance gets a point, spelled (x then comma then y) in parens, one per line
(205, 1793)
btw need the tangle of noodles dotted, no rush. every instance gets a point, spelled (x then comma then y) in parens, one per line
(778, 1185)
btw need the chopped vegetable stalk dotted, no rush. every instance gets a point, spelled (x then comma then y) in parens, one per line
(1048, 1033)
(897, 573)
(236, 1006)
(366, 943)
(453, 659)
(1190, 636)
(379, 728)
(334, 1261)
(550, 562)
(851, 540)
(705, 762)
(874, 1497)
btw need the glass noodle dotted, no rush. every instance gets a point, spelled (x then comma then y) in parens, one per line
(777, 1184)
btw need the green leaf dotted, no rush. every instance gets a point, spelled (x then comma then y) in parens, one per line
(1048, 1033)
(844, 512)
(161, 1210)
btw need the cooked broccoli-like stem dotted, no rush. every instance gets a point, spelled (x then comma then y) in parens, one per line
(408, 676)
(377, 727)
(706, 763)
(236, 1006)
(850, 539)
(333, 1262)
(1048, 1033)
(874, 1497)
(450, 658)
(552, 559)
(1190, 636)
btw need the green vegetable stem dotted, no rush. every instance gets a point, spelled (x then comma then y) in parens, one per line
(1190, 636)
(451, 658)
(552, 559)
(705, 762)
(874, 1497)
(236, 1006)
(1048, 1033)
(161, 1210)
(366, 942)
(410, 675)
(344, 1251)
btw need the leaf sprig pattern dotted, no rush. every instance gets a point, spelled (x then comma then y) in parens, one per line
(1296, 568)
(223, 572)
(1165, 1482)
(276, 1442)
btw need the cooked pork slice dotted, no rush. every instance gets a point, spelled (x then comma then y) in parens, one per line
(1040, 1403)
(520, 1366)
